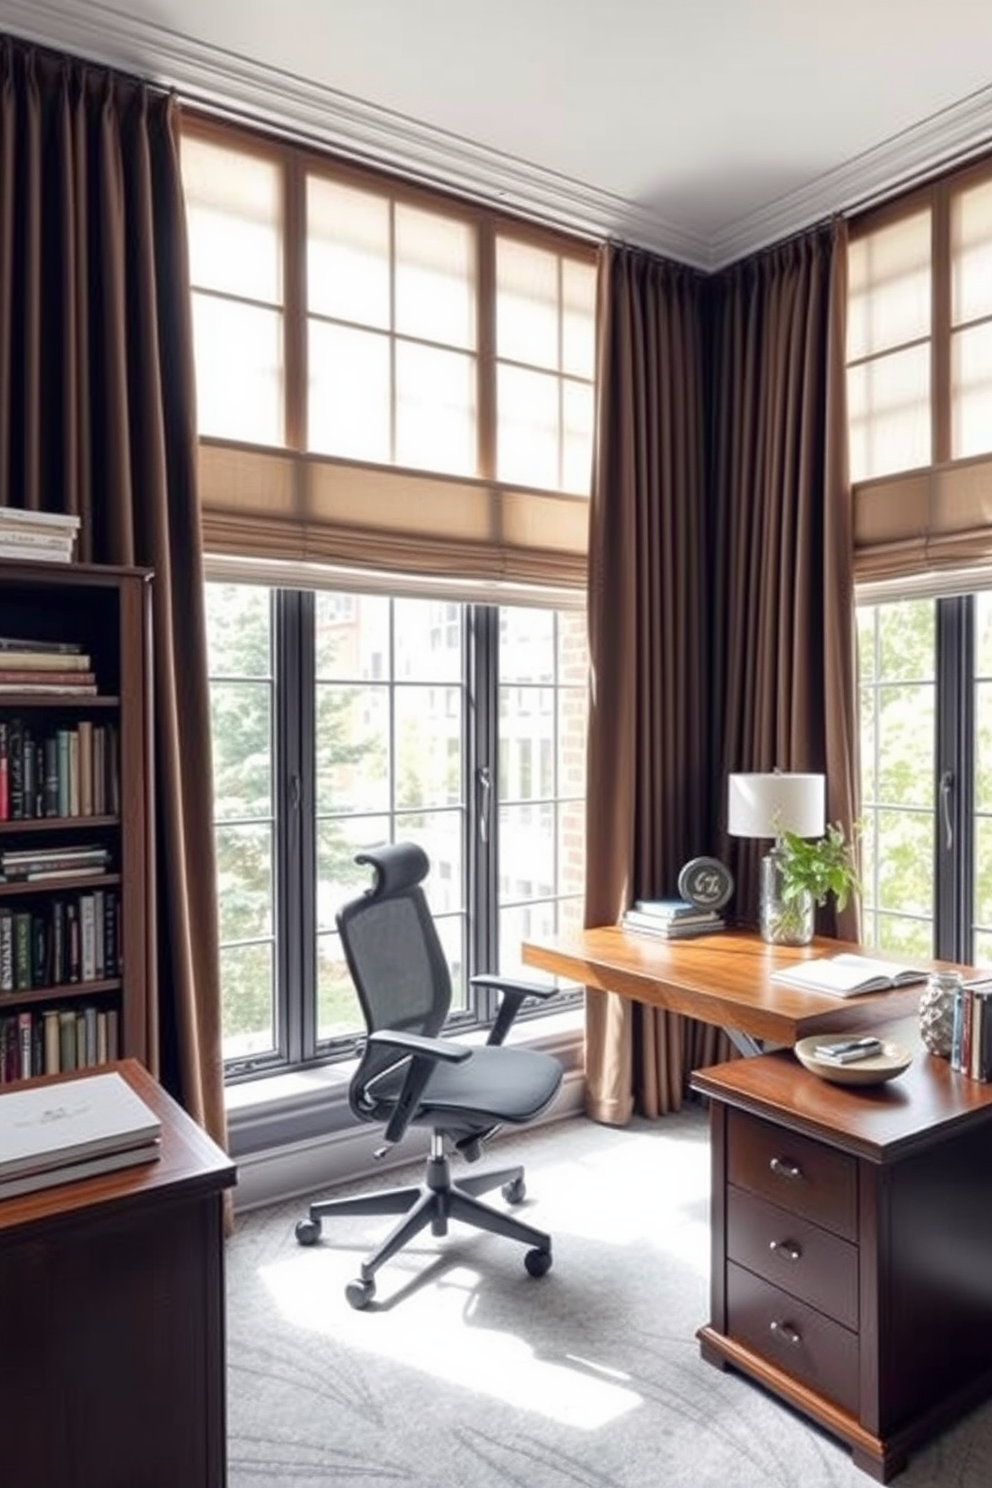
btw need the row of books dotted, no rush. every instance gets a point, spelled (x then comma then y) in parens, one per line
(52, 1041)
(61, 772)
(76, 938)
(46, 537)
(971, 1036)
(670, 919)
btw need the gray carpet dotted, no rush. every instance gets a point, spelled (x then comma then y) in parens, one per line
(467, 1373)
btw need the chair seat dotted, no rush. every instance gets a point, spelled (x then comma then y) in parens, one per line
(496, 1085)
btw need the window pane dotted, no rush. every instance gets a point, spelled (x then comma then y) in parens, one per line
(971, 254)
(247, 1000)
(349, 408)
(245, 882)
(352, 637)
(338, 1012)
(897, 651)
(527, 299)
(352, 748)
(234, 221)
(527, 435)
(889, 287)
(435, 278)
(578, 413)
(239, 371)
(428, 747)
(241, 728)
(889, 413)
(526, 645)
(239, 631)
(428, 640)
(982, 776)
(578, 331)
(435, 409)
(971, 392)
(348, 258)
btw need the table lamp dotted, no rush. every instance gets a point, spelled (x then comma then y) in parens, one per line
(761, 805)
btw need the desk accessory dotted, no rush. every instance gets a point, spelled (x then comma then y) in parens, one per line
(891, 1061)
(768, 806)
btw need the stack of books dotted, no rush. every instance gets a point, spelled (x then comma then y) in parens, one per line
(42, 537)
(45, 667)
(61, 1131)
(672, 919)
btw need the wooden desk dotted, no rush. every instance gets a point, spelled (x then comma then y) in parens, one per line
(851, 1235)
(722, 979)
(112, 1354)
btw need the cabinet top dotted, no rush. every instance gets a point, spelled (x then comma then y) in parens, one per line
(69, 573)
(879, 1122)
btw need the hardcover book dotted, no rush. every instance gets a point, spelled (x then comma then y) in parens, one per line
(50, 1128)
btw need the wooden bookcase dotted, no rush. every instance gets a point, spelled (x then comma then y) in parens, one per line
(106, 613)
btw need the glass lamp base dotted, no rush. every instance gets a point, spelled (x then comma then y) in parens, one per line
(783, 921)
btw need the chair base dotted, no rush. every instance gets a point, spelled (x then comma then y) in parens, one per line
(435, 1202)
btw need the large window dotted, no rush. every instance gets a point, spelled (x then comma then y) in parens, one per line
(920, 407)
(344, 720)
(395, 388)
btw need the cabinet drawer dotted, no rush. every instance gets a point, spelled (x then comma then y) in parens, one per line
(795, 1172)
(807, 1346)
(793, 1253)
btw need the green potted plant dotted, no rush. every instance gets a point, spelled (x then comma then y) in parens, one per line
(802, 873)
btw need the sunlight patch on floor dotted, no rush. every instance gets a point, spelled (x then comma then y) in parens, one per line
(426, 1332)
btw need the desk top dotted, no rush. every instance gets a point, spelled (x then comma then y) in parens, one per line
(722, 979)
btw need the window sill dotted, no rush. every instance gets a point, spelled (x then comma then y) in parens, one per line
(304, 1104)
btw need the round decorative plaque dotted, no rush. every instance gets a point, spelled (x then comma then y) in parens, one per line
(706, 882)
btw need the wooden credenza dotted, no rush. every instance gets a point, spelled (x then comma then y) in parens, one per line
(852, 1246)
(112, 1351)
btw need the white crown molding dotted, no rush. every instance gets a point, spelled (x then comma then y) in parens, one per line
(953, 135)
(227, 82)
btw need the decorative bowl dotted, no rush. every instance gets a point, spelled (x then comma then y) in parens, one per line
(891, 1061)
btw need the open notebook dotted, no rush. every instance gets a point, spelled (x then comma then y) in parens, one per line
(848, 974)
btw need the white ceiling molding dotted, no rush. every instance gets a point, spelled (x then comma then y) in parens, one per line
(241, 88)
(955, 134)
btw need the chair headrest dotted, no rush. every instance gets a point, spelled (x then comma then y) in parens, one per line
(396, 867)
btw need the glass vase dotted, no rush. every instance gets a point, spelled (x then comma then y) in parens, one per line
(784, 921)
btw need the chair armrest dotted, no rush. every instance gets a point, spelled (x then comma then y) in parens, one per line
(425, 1054)
(514, 994)
(416, 1043)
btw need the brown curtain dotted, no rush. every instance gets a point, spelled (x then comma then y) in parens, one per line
(97, 417)
(783, 597)
(650, 764)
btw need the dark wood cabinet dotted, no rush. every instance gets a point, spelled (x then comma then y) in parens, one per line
(112, 1346)
(851, 1245)
(106, 613)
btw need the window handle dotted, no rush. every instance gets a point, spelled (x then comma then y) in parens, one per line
(295, 792)
(485, 780)
(946, 787)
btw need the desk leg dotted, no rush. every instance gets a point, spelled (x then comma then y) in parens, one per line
(744, 1043)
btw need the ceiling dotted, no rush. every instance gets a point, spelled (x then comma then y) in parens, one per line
(702, 129)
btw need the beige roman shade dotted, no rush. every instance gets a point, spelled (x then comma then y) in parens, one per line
(929, 520)
(306, 508)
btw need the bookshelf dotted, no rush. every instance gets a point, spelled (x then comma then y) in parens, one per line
(77, 939)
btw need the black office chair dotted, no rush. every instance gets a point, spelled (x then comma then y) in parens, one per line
(408, 1076)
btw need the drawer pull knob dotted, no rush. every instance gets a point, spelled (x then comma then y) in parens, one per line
(786, 1331)
(784, 1168)
(787, 1248)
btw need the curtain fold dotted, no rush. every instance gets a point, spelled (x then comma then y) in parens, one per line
(783, 591)
(97, 418)
(650, 788)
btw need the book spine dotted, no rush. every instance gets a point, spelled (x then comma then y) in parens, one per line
(22, 951)
(6, 950)
(4, 775)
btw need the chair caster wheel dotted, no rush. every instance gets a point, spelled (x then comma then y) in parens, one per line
(515, 1191)
(307, 1231)
(359, 1293)
(538, 1262)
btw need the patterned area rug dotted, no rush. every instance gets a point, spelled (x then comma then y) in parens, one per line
(465, 1372)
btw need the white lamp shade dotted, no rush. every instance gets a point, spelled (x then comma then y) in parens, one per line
(768, 805)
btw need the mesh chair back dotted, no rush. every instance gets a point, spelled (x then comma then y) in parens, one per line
(396, 961)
